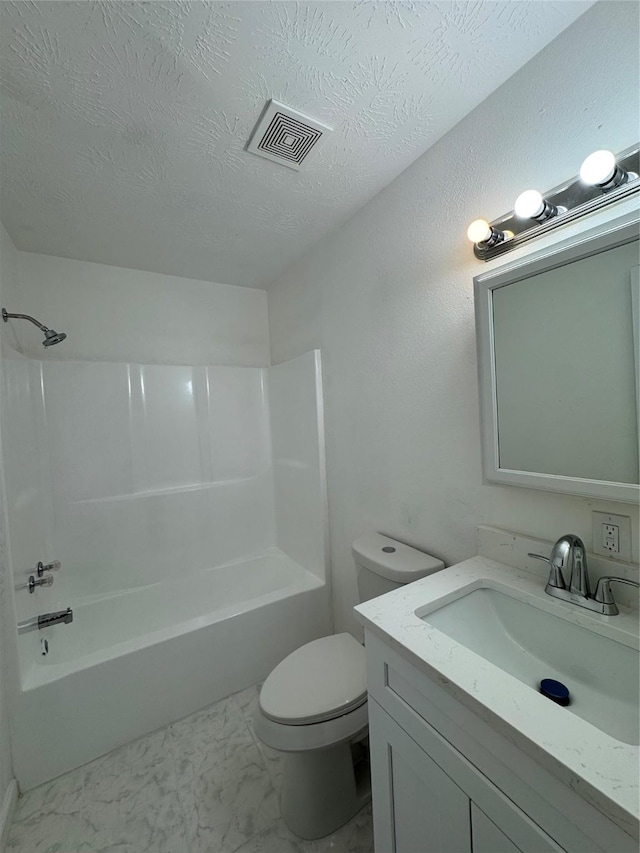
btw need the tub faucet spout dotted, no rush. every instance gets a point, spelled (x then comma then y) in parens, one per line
(45, 620)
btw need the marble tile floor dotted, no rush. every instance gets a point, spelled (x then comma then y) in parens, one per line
(202, 785)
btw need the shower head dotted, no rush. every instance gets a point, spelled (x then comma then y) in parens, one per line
(51, 337)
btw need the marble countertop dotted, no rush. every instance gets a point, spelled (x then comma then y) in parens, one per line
(603, 770)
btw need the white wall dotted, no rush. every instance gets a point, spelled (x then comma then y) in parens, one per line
(115, 314)
(389, 300)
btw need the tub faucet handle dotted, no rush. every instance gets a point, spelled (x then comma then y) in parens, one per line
(32, 583)
(53, 566)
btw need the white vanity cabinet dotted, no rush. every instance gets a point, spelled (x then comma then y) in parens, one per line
(420, 809)
(487, 838)
(444, 781)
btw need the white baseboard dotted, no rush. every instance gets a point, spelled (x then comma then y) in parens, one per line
(6, 812)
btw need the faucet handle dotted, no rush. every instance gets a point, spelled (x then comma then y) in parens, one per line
(556, 580)
(32, 583)
(603, 593)
(539, 557)
(604, 596)
(53, 566)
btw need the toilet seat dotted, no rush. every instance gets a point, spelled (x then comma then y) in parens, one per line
(348, 727)
(320, 681)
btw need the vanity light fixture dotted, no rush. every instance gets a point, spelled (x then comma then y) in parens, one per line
(601, 170)
(531, 205)
(603, 180)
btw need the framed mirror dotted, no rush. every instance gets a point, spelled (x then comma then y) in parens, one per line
(558, 337)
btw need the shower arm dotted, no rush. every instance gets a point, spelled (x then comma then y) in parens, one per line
(51, 337)
(6, 316)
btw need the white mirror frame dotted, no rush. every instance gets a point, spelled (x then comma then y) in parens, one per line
(608, 236)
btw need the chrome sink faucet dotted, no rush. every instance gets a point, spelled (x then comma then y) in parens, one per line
(569, 555)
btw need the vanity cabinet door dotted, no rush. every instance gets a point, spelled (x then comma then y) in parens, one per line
(416, 806)
(487, 838)
(523, 835)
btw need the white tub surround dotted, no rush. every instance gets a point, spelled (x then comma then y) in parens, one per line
(131, 474)
(154, 486)
(546, 759)
(106, 626)
(143, 473)
(296, 410)
(134, 662)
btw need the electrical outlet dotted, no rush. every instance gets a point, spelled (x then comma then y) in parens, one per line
(611, 538)
(612, 535)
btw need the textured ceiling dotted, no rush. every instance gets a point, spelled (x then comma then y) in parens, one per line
(124, 124)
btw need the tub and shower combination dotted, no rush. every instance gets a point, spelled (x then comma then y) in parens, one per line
(187, 506)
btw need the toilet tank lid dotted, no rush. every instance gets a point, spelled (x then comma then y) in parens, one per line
(393, 560)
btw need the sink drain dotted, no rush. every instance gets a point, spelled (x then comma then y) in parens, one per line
(556, 691)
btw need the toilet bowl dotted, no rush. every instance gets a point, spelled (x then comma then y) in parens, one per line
(313, 706)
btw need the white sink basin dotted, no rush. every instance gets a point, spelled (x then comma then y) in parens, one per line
(531, 644)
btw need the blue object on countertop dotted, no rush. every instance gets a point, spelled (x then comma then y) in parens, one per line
(555, 690)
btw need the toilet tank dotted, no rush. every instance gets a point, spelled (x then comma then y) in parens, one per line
(383, 564)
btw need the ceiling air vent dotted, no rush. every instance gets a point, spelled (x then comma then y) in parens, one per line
(286, 136)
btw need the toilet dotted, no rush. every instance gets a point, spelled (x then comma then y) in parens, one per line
(313, 706)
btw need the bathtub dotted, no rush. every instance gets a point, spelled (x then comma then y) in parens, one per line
(138, 660)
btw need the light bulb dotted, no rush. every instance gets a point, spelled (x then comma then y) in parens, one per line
(598, 169)
(532, 205)
(479, 231)
(529, 204)
(486, 236)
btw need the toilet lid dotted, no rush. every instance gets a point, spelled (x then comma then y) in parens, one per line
(319, 681)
